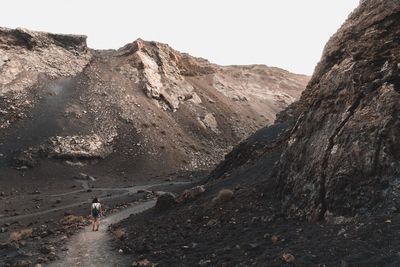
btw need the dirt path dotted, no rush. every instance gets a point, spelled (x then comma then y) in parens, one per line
(121, 192)
(90, 248)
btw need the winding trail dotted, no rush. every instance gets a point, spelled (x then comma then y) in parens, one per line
(93, 249)
(124, 191)
(88, 248)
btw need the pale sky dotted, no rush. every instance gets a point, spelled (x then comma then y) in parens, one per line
(284, 33)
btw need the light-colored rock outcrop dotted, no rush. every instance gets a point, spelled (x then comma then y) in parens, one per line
(25, 54)
(79, 147)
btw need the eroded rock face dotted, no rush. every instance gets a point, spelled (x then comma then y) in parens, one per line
(25, 54)
(161, 71)
(343, 155)
(26, 57)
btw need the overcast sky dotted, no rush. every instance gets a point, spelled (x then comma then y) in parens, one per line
(285, 33)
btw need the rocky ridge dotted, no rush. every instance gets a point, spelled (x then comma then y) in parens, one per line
(146, 101)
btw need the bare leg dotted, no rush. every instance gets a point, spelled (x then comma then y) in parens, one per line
(98, 224)
(93, 223)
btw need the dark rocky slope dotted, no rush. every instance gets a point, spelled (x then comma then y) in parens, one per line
(343, 154)
(332, 159)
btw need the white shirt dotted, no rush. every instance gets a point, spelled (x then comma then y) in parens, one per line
(96, 205)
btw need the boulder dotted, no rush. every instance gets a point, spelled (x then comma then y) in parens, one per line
(165, 202)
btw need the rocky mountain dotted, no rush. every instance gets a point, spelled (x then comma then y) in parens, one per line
(138, 110)
(320, 187)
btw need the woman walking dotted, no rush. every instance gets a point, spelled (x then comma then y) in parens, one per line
(96, 211)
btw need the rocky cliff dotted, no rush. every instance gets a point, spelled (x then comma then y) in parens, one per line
(342, 156)
(139, 109)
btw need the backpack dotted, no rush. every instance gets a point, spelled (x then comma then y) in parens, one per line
(95, 211)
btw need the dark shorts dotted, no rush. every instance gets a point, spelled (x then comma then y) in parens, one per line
(96, 217)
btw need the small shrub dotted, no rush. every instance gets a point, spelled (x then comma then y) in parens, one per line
(21, 234)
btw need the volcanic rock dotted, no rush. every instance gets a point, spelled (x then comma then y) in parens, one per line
(165, 202)
(81, 147)
(343, 155)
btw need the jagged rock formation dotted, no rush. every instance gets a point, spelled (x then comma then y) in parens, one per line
(141, 108)
(161, 72)
(343, 154)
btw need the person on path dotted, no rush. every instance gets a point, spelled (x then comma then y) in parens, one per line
(96, 210)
